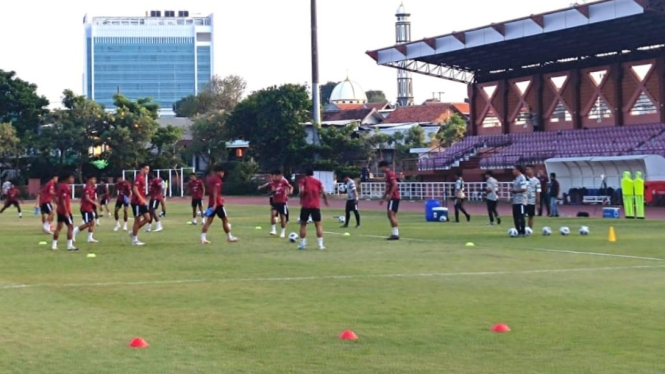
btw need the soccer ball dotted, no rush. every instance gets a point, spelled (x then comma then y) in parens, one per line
(584, 230)
(564, 231)
(341, 219)
(293, 237)
(528, 231)
(513, 233)
(547, 231)
(443, 219)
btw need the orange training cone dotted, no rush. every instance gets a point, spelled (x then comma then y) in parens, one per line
(500, 328)
(138, 343)
(348, 335)
(612, 237)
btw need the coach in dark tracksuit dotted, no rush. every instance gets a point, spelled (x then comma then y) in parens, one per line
(544, 195)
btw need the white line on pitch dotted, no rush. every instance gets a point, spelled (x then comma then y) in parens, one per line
(327, 277)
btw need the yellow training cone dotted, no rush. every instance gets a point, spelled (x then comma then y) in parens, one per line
(612, 237)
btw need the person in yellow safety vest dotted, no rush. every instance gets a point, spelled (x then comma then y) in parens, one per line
(628, 192)
(639, 195)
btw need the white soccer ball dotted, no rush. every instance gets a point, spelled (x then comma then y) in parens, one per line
(443, 219)
(547, 231)
(564, 231)
(528, 231)
(584, 230)
(341, 219)
(513, 233)
(293, 237)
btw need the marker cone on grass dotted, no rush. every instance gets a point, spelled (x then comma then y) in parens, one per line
(470, 244)
(612, 236)
(347, 234)
(42, 243)
(138, 343)
(91, 255)
(501, 328)
(348, 335)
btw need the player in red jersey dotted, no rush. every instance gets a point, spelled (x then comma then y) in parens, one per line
(12, 197)
(46, 196)
(156, 197)
(104, 197)
(88, 204)
(391, 195)
(123, 190)
(139, 204)
(281, 189)
(216, 206)
(197, 190)
(311, 191)
(63, 199)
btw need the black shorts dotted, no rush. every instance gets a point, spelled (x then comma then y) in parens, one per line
(139, 210)
(220, 212)
(351, 206)
(46, 208)
(10, 203)
(88, 216)
(154, 204)
(67, 219)
(530, 211)
(197, 203)
(104, 201)
(119, 204)
(393, 205)
(307, 213)
(280, 208)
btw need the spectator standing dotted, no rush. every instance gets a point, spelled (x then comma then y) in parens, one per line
(553, 191)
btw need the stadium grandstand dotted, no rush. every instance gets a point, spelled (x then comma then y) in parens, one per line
(582, 83)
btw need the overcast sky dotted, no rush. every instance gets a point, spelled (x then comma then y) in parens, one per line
(265, 41)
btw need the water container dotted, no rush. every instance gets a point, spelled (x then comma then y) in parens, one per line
(611, 213)
(439, 214)
(429, 205)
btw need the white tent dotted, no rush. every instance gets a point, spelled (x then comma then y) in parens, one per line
(589, 172)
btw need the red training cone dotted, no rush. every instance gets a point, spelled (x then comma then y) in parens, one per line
(348, 335)
(138, 343)
(501, 328)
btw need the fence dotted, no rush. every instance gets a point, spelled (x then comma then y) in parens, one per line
(475, 191)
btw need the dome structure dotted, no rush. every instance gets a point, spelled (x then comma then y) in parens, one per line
(401, 10)
(348, 92)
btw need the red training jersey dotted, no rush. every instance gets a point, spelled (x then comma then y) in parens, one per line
(310, 193)
(64, 199)
(196, 188)
(12, 195)
(156, 189)
(46, 195)
(123, 189)
(215, 185)
(280, 191)
(89, 192)
(391, 180)
(139, 183)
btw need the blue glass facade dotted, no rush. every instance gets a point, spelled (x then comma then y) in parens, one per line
(162, 68)
(88, 66)
(203, 66)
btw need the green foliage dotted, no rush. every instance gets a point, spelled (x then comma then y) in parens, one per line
(21, 105)
(209, 137)
(166, 138)
(9, 140)
(376, 96)
(326, 91)
(219, 95)
(453, 131)
(238, 179)
(271, 120)
(413, 138)
(341, 146)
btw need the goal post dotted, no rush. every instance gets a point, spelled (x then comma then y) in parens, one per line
(174, 179)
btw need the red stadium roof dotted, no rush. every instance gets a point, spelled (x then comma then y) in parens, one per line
(591, 34)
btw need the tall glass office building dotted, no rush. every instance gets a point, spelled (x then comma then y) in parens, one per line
(164, 55)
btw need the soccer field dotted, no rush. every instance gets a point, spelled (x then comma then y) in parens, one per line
(425, 304)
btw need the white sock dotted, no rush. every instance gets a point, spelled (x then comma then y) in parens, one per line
(135, 238)
(320, 241)
(20, 214)
(204, 236)
(159, 224)
(194, 220)
(117, 223)
(274, 228)
(395, 231)
(89, 236)
(283, 231)
(76, 231)
(150, 226)
(55, 243)
(303, 242)
(69, 244)
(229, 235)
(46, 226)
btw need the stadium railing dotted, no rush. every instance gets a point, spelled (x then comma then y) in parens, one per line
(475, 191)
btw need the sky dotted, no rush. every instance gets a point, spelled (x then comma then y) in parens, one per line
(267, 42)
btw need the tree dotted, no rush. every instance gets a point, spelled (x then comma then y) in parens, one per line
(326, 91)
(21, 105)
(413, 138)
(271, 120)
(209, 137)
(219, 95)
(376, 96)
(452, 131)
(166, 138)
(9, 142)
(343, 146)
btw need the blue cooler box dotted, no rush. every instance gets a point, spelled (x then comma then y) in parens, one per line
(611, 213)
(440, 212)
(429, 214)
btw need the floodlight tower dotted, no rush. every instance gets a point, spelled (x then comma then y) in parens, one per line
(404, 80)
